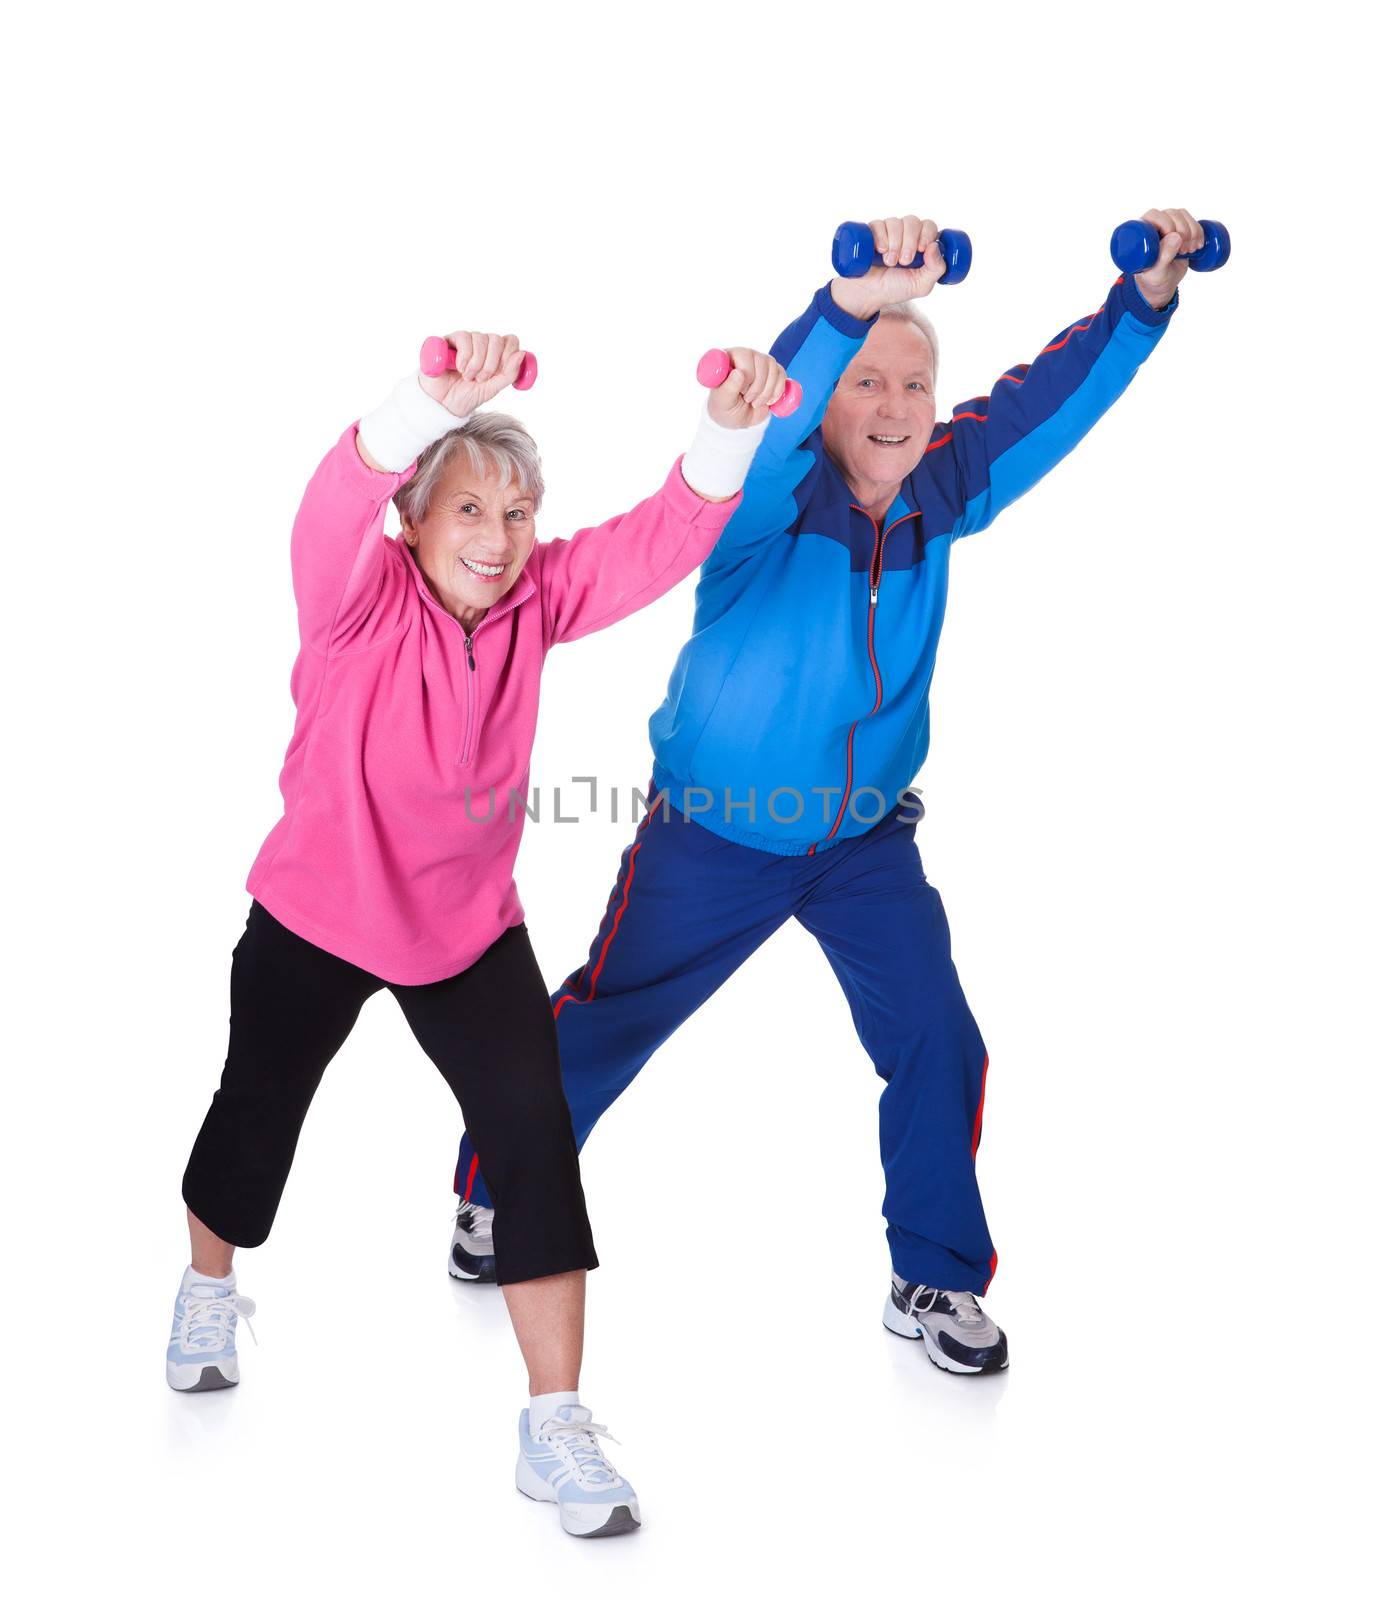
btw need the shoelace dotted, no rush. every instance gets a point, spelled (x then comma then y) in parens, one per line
(962, 1303)
(965, 1306)
(206, 1324)
(578, 1444)
(482, 1224)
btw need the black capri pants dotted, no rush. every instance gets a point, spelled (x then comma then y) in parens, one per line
(488, 1030)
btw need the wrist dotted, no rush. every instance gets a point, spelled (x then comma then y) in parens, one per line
(851, 297)
(1159, 303)
(718, 458)
(396, 433)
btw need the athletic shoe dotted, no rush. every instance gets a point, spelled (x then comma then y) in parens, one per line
(955, 1332)
(472, 1244)
(201, 1347)
(563, 1462)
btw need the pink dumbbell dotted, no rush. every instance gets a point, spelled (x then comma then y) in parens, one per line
(714, 367)
(438, 356)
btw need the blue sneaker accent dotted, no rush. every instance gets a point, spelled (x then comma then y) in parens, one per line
(564, 1463)
(201, 1347)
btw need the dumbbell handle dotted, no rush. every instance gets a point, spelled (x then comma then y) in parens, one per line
(714, 367)
(853, 252)
(1135, 246)
(438, 356)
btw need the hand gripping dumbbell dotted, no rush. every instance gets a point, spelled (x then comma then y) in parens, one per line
(1136, 245)
(437, 356)
(853, 252)
(714, 367)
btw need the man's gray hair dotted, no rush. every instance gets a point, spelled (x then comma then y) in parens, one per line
(489, 441)
(912, 312)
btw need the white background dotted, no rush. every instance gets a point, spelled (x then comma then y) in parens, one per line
(1150, 803)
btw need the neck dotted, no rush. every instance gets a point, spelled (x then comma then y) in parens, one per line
(873, 496)
(469, 617)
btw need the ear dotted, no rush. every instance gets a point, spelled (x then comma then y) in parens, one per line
(409, 531)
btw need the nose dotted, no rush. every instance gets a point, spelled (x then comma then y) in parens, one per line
(494, 537)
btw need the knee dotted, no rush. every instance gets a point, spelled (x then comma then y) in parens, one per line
(930, 1025)
(538, 1140)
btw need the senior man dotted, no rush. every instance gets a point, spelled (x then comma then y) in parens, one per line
(795, 719)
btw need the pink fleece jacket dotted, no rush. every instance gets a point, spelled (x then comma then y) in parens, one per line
(383, 855)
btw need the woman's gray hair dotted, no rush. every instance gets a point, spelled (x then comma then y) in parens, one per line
(912, 312)
(489, 441)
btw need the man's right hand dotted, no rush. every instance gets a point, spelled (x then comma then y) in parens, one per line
(912, 266)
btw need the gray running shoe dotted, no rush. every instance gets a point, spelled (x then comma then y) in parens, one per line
(472, 1244)
(955, 1332)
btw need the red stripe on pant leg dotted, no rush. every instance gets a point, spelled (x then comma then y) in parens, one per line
(979, 1114)
(470, 1178)
(614, 927)
(993, 1267)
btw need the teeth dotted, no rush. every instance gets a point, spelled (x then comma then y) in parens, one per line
(888, 438)
(483, 569)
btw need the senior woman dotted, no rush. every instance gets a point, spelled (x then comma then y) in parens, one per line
(416, 688)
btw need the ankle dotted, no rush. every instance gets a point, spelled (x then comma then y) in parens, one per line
(213, 1271)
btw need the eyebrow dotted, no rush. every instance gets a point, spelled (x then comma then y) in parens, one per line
(914, 372)
(471, 494)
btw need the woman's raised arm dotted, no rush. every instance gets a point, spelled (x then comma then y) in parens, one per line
(606, 572)
(338, 537)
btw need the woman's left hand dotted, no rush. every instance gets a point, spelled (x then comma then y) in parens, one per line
(753, 383)
(485, 364)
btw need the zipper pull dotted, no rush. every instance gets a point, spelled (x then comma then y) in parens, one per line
(470, 652)
(873, 594)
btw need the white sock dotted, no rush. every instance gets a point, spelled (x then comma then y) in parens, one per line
(543, 1407)
(228, 1282)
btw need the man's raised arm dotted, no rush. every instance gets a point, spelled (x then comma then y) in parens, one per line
(997, 446)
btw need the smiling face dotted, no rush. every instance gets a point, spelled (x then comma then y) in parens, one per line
(474, 540)
(879, 419)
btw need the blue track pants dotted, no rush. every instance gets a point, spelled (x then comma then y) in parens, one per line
(688, 907)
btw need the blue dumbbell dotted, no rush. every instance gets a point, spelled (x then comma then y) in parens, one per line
(1136, 245)
(853, 252)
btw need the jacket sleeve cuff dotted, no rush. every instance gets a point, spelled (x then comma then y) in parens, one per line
(1130, 297)
(851, 326)
(694, 507)
(360, 476)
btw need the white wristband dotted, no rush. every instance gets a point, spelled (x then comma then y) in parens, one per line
(399, 431)
(719, 458)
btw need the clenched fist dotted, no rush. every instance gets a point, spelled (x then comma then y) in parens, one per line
(485, 364)
(1180, 234)
(754, 383)
(912, 266)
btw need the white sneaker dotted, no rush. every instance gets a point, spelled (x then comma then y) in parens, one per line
(563, 1462)
(955, 1332)
(201, 1347)
(472, 1244)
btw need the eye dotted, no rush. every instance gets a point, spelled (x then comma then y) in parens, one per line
(519, 512)
(469, 506)
(915, 385)
(864, 382)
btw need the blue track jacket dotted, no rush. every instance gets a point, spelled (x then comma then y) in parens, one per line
(798, 710)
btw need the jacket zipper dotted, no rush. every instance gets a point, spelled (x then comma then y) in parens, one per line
(470, 699)
(875, 583)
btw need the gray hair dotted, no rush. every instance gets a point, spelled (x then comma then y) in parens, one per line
(489, 441)
(911, 312)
